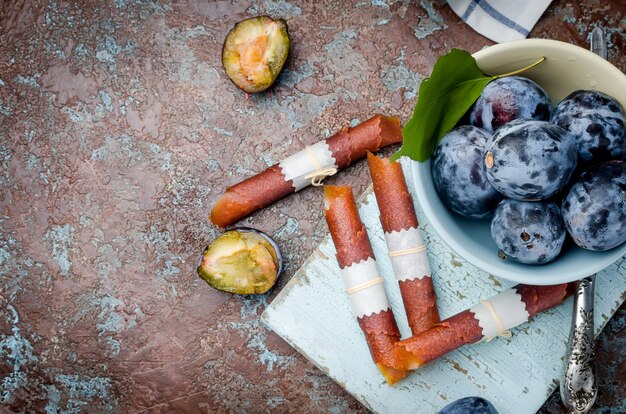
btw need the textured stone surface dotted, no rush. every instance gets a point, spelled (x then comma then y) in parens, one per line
(119, 129)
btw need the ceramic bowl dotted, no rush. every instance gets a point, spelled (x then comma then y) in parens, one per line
(566, 69)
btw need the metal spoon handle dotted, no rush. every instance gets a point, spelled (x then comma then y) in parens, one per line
(598, 42)
(578, 386)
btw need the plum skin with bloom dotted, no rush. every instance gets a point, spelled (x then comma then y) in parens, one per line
(596, 120)
(530, 160)
(459, 176)
(527, 231)
(506, 99)
(594, 209)
(473, 405)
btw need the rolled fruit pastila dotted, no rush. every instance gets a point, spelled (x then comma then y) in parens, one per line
(362, 280)
(488, 319)
(407, 250)
(304, 168)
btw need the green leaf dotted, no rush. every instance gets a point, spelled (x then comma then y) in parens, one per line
(453, 86)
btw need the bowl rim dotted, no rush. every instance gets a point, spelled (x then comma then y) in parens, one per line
(526, 276)
(546, 43)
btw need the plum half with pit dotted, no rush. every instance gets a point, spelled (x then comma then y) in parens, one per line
(528, 232)
(595, 207)
(507, 99)
(459, 176)
(530, 160)
(596, 120)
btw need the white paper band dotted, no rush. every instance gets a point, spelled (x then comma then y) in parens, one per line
(500, 313)
(309, 166)
(365, 288)
(407, 252)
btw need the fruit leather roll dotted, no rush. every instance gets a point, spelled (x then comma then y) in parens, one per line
(488, 319)
(407, 250)
(362, 280)
(304, 168)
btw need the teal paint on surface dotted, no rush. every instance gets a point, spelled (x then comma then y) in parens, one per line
(61, 239)
(430, 23)
(80, 391)
(398, 77)
(54, 399)
(291, 77)
(18, 353)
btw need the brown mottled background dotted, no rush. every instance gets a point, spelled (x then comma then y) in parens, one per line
(119, 129)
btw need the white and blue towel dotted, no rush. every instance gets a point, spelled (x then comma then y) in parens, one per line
(500, 20)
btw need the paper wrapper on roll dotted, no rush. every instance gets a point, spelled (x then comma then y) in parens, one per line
(489, 318)
(302, 169)
(404, 242)
(362, 280)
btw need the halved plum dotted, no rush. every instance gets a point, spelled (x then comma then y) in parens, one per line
(255, 51)
(243, 261)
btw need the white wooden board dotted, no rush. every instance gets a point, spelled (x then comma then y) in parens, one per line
(312, 313)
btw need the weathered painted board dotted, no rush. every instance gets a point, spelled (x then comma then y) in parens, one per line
(313, 314)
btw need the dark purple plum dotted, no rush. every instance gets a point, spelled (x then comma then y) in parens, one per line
(529, 232)
(597, 122)
(459, 176)
(530, 160)
(469, 405)
(595, 207)
(507, 99)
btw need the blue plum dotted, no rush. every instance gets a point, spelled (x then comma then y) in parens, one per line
(459, 176)
(597, 122)
(469, 405)
(595, 207)
(507, 99)
(530, 160)
(527, 231)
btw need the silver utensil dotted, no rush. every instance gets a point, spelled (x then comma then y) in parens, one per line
(579, 387)
(598, 42)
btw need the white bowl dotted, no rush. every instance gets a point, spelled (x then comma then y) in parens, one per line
(566, 69)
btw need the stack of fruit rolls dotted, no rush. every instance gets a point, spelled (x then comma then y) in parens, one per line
(362, 280)
(407, 250)
(304, 168)
(488, 319)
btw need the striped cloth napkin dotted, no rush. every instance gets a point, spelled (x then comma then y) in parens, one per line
(500, 20)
